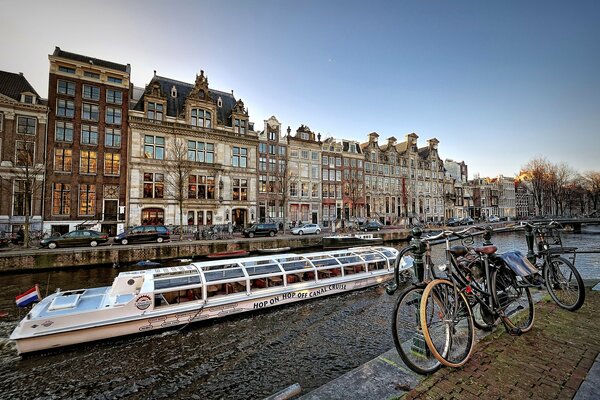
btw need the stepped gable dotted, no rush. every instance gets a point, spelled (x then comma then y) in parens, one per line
(12, 85)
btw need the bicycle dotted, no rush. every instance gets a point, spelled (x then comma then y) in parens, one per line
(475, 276)
(561, 278)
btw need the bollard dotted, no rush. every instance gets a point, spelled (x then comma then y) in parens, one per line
(286, 393)
(418, 251)
(487, 236)
(529, 238)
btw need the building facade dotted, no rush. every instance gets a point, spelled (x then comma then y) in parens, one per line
(272, 173)
(87, 144)
(23, 117)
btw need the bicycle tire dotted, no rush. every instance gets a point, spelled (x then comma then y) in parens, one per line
(407, 333)
(513, 300)
(447, 323)
(564, 283)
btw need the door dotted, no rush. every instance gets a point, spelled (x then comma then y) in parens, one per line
(111, 209)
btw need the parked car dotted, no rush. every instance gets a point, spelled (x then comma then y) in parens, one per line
(453, 221)
(494, 218)
(261, 230)
(146, 233)
(371, 226)
(75, 238)
(306, 229)
(467, 221)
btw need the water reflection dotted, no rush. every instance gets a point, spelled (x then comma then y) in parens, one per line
(242, 357)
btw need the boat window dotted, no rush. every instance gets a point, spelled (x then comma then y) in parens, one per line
(324, 262)
(263, 269)
(221, 274)
(295, 265)
(64, 301)
(350, 259)
(177, 297)
(266, 282)
(165, 283)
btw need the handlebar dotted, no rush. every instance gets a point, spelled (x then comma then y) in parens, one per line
(538, 225)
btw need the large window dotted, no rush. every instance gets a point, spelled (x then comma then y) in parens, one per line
(112, 137)
(262, 147)
(114, 96)
(63, 160)
(240, 157)
(154, 185)
(112, 163)
(66, 87)
(65, 108)
(63, 132)
(113, 115)
(240, 126)
(154, 147)
(22, 198)
(201, 118)
(201, 187)
(262, 164)
(61, 199)
(240, 189)
(91, 92)
(89, 134)
(26, 125)
(88, 162)
(25, 152)
(90, 112)
(154, 111)
(262, 183)
(201, 152)
(87, 199)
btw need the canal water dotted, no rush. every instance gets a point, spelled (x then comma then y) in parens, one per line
(243, 357)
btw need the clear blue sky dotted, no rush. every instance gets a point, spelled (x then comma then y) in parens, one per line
(496, 82)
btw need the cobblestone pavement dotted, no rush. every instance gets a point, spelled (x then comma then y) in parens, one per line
(549, 362)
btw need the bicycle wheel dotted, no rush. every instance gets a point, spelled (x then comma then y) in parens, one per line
(564, 283)
(407, 333)
(447, 323)
(513, 300)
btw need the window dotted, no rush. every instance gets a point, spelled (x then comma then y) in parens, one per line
(293, 189)
(201, 118)
(154, 147)
(201, 187)
(90, 112)
(304, 135)
(154, 111)
(262, 147)
(22, 198)
(201, 152)
(154, 185)
(63, 160)
(87, 199)
(315, 190)
(89, 134)
(240, 126)
(304, 154)
(63, 131)
(61, 199)
(113, 79)
(240, 157)
(113, 115)
(87, 162)
(304, 187)
(65, 108)
(240, 189)
(112, 163)
(114, 96)
(91, 92)
(66, 87)
(112, 137)
(272, 149)
(67, 70)
(262, 164)
(325, 160)
(26, 125)
(89, 74)
(25, 153)
(262, 183)
(272, 165)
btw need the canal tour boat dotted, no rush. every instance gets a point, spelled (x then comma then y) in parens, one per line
(141, 301)
(353, 240)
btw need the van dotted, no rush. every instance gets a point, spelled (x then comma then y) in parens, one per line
(146, 233)
(260, 230)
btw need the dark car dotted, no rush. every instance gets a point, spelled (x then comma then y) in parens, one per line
(260, 230)
(453, 222)
(75, 238)
(146, 233)
(371, 226)
(467, 221)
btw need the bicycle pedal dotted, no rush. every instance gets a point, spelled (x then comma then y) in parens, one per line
(514, 331)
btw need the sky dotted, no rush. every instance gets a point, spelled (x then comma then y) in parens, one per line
(498, 83)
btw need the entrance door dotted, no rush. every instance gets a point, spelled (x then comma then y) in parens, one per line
(111, 210)
(238, 216)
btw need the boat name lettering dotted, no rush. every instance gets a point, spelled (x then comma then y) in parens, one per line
(300, 295)
(143, 302)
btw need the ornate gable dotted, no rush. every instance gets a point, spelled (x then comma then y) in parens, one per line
(200, 90)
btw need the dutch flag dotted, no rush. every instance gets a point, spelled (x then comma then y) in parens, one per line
(30, 296)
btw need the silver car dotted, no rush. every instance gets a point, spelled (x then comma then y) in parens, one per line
(307, 229)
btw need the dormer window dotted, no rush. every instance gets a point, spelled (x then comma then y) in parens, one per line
(154, 111)
(27, 98)
(240, 126)
(219, 102)
(304, 135)
(174, 92)
(201, 118)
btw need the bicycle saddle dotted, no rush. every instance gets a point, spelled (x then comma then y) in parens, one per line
(486, 249)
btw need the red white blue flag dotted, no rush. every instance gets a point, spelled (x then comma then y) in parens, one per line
(30, 296)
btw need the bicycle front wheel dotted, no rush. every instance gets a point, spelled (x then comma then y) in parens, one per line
(407, 333)
(513, 300)
(447, 323)
(564, 283)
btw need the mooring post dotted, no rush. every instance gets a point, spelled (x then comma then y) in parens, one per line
(529, 240)
(487, 236)
(418, 250)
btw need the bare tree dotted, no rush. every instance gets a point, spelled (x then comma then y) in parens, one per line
(177, 174)
(558, 178)
(536, 172)
(591, 183)
(354, 192)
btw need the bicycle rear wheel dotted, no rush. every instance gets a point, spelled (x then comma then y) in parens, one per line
(564, 283)
(447, 323)
(407, 333)
(513, 300)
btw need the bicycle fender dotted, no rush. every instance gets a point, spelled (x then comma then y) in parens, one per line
(518, 263)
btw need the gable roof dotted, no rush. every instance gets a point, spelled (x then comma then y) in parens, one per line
(12, 85)
(90, 60)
